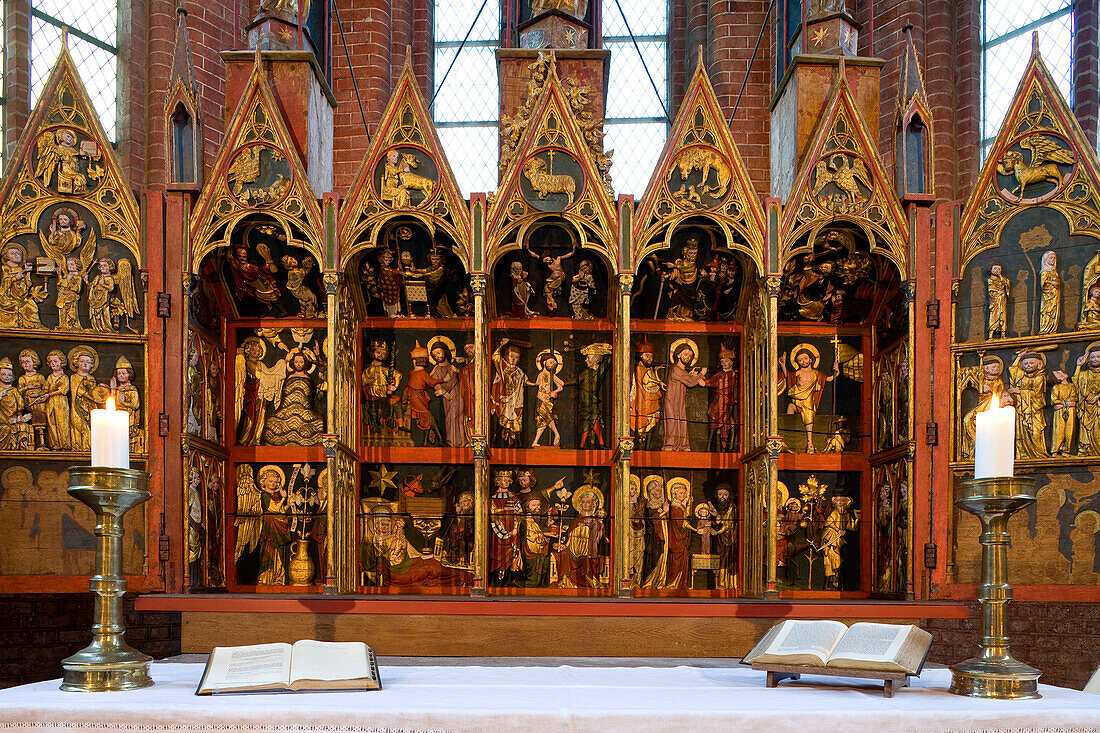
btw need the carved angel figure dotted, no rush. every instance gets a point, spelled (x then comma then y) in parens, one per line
(257, 384)
(262, 522)
(105, 308)
(59, 154)
(847, 176)
(19, 296)
(1045, 155)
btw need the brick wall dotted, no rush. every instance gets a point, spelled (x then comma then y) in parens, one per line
(41, 629)
(1062, 640)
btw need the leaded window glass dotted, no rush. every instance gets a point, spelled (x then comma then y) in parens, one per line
(635, 121)
(92, 27)
(1006, 49)
(467, 98)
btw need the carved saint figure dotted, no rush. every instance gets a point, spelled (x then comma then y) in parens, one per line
(466, 387)
(998, 286)
(19, 297)
(448, 389)
(128, 398)
(1063, 398)
(804, 386)
(521, 292)
(683, 375)
(296, 284)
(253, 282)
(536, 532)
(418, 394)
(580, 562)
(506, 392)
(1027, 383)
(636, 532)
(505, 559)
(32, 387)
(645, 395)
(85, 394)
(555, 278)
(590, 387)
(839, 522)
(581, 290)
(381, 413)
(1050, 290)
(456, 546)
(392, 191)
(69, 284)
(57, 403)
(989, 382)
(722, 411)
(296, 419)
(682, 280)
(549, 386)
(391, 283)
(673, 568)
(263, 521)
(1090, 309)
(725, 540)
(15, 433)
(1087, 381)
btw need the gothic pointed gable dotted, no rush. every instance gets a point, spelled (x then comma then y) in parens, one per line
(183, 136)
(552, 161)
(700, 172)
(405, 171)
(64, 158)
(257, 171)
(1040, 157)
(843, 178)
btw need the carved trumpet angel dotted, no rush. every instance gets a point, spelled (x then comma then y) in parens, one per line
(105, 309)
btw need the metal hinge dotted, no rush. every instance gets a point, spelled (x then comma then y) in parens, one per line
(932, 314)
(164, 305)
(930, 555)
(165, 544)
(932, 433)
(162, 424)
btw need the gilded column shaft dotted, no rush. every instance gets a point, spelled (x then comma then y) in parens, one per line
(479, 441)
(620, 422)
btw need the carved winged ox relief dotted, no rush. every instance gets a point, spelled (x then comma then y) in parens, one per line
(1049, 161)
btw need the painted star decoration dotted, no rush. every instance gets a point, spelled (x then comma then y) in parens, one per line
(382, 479)
(820, 35)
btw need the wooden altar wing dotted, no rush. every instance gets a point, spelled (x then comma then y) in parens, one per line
(700, 173)
(842, 178)
(405, 172)
(552, 162)
(257, 171)
(64, 156)
(1040, 156)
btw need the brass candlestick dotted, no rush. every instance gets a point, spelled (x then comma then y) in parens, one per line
(108, 663)
(993, 673)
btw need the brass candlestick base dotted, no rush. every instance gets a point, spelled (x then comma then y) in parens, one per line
(108, 663)
(994, 673)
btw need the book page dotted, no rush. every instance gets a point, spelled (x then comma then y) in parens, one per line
(807, 637)
(868, 642)
(248, 666)
(330, 660)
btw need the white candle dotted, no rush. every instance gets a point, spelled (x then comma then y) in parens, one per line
(110, 437)
(994, 441)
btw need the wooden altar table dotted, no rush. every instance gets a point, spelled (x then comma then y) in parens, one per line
(549, 698)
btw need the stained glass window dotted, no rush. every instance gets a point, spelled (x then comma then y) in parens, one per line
(1006, 49)
(92, 27)
(467, 97)
(637, 89)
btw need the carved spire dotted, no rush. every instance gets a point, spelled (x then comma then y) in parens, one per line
(183, 68)
(913, 128)
(182, 130)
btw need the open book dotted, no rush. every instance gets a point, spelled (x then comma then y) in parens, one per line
(304, 665)
(865, 646)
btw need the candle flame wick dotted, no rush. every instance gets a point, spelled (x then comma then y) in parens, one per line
(110, 403)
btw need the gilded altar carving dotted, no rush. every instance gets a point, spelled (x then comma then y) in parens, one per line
(818, 530)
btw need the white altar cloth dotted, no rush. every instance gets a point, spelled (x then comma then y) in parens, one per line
(565, 698)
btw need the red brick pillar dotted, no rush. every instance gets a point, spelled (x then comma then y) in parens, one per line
(367, 29)
(161, 43)
(1085, 72)
(734, 26)
(424, 45)
(401, 35)
(17, 71)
